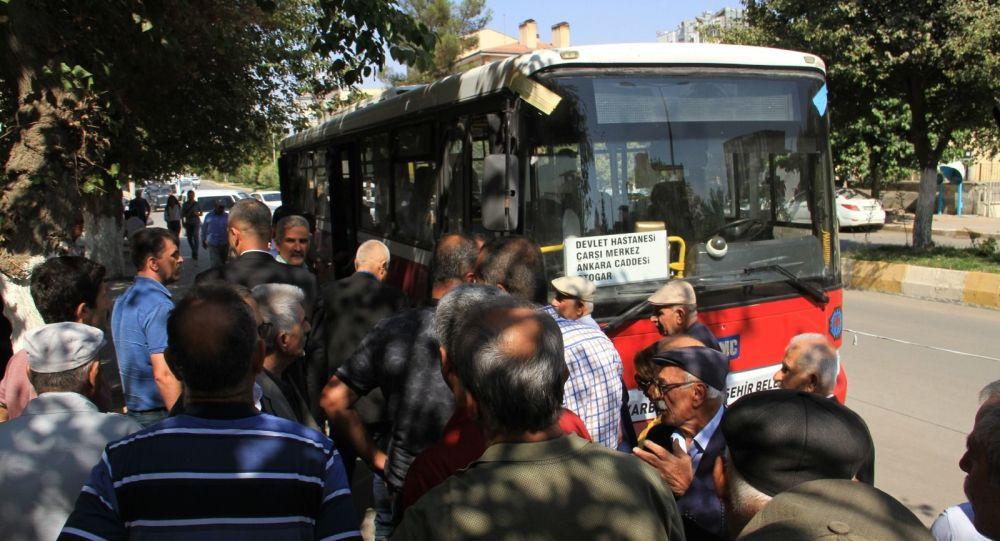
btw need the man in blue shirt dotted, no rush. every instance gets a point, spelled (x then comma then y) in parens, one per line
(214, 236)
(220, 469)
(139, 326)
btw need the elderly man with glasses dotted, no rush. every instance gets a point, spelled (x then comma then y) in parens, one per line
(686, 382)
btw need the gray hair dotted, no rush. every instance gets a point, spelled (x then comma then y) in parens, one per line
(711, 393)
(74, 380)
(588, 307)
(371, 252)
(745, 501)
(517, 382)
(287, 223)
(817, 357)
(254, 216)
(987, 434)
(278, 305)
(990, 392)
(453, 309)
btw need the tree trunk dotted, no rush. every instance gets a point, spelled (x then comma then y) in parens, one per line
(925, 209)
(875, 170)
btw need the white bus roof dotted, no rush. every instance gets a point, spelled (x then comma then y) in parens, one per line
(493, 78)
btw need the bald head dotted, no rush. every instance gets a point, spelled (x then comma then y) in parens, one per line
(373, 257)
(454, 259)
(509, 357)
(810, 365)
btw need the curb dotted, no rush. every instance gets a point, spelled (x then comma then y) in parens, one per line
(953, 233)
(963, 287)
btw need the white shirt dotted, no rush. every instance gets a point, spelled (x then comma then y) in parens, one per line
(701, 439)
(955, 524)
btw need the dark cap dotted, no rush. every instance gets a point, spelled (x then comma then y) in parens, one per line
(834, 509)
(781, 438)
(706, 364)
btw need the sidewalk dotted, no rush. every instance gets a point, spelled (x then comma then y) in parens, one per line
(949, 225)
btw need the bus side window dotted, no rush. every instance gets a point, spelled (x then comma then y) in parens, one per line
(416, 189)
(375, 184)
(452, 177)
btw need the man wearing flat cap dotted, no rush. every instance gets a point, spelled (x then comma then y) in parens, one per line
(574, 298)
(675, 311)
(689, 392)
(46, 453)
(778, 439)
(835, 509)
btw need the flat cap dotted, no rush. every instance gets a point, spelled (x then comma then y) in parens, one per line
(59, 347)
(781, 438)
(834, 509)
(575, 286)
(706, 364)
(675, 292)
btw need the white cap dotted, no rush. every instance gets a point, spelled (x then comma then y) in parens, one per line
(59, 347)
(575, 286)
(674, 293)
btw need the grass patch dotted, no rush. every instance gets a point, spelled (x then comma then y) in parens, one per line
(941, 257)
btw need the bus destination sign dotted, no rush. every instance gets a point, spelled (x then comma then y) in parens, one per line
(618, 259)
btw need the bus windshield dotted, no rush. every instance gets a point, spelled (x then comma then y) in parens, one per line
(740, 155)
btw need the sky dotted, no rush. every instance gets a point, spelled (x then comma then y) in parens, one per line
(597, 22)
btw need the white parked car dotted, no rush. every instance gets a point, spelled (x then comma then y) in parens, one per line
(854, 209)
(208, 198)
(270, 198)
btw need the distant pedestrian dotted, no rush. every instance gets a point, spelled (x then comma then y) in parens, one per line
(46, 454)
(214, 235)
(221, 469)
(172, 215)
(139, 326)
(594, 389)
(284, 318)
(139, 207)
(133, 223)
(574, 298)
(675, 311)
(291, 238)
(191, 214)
(534, 481)
(65, 289)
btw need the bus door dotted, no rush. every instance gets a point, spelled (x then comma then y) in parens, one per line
(342, 165)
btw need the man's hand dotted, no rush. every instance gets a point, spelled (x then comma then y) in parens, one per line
(674, 466)
(204, 245)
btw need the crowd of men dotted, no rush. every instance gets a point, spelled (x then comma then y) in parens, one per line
(487, 411)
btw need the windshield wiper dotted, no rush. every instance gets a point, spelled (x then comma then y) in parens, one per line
(805, 287)
(627, 316)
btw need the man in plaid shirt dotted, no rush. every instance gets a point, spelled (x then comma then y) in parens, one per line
(594, 388)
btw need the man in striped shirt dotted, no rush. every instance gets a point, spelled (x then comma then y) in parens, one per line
(219, 470)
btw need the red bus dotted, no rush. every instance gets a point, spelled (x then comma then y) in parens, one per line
(629, 164)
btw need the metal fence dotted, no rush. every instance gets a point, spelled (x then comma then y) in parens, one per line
(986, 199)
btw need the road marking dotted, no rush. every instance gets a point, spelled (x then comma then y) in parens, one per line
(907, 415)
(935, 348)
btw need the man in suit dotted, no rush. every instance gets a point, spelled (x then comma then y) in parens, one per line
(249, 231)
(689, 392)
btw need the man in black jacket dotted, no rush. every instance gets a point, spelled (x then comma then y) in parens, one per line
(249, 234)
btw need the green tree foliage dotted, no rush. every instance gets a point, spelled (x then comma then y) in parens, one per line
(452, 25)
(920, 71)
(93, 92)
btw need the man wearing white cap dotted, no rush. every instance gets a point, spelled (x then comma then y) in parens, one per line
(574, 298)
(47, 453)
(675, 311)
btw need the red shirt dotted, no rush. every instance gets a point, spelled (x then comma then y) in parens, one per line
(15, 389)
(462, 443)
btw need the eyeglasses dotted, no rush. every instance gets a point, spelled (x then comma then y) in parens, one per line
(662, 388)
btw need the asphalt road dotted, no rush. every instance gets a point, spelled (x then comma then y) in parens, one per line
(919, 402)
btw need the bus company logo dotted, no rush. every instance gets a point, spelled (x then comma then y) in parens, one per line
(836, 323)
(730, 346)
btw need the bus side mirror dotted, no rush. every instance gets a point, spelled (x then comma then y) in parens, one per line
(500, 197)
